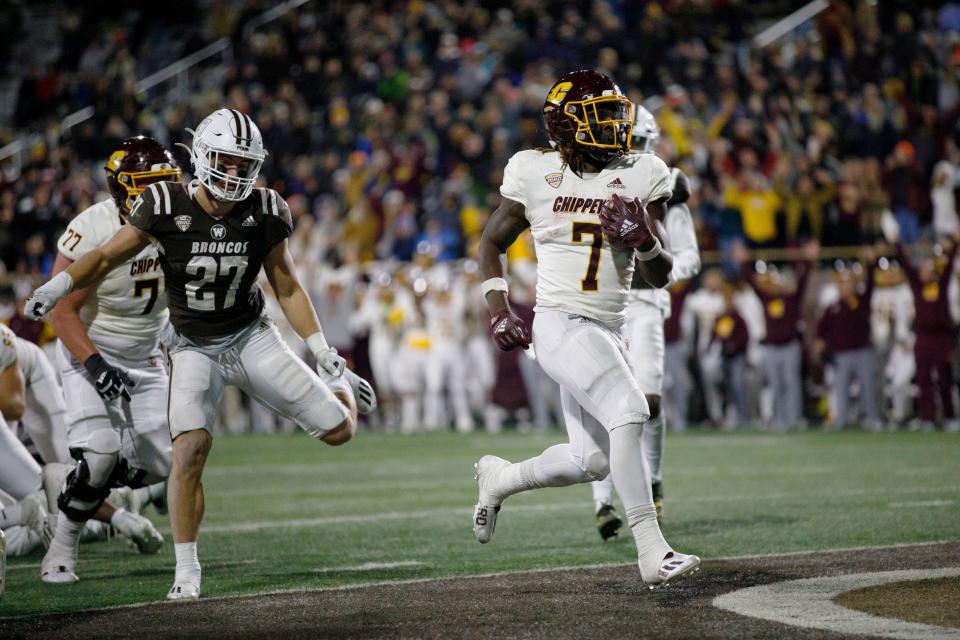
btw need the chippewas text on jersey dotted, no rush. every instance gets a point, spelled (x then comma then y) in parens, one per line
(128, 304)
(211, 264)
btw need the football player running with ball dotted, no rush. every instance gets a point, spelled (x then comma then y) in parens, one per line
(213, 236)
(586, 202)
(647, 309)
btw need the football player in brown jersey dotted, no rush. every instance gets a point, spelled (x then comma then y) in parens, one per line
(214, 236)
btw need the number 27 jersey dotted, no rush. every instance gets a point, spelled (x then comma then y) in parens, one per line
(577, 271)
(211, 264)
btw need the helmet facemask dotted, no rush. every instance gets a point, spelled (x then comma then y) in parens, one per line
(134, 182)
(213, 169)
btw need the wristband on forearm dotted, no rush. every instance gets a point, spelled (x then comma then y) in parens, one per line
(650, 254)
(317, 343)
(493, 284)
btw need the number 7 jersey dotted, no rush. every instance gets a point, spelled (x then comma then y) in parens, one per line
(577, 271)
(211, 264)
(127, 307)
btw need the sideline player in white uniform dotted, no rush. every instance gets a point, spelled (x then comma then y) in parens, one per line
(586, 204)
(114, 379)
(443, 312)
(213, 236)
(647, 310)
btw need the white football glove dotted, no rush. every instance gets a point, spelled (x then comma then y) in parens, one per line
(47, 296)
(330, 362)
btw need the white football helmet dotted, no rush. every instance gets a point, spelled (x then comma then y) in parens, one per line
(227, 139)
(645, 130)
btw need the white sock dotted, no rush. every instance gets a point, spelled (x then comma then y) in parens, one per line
(188, 566)
(628, 468)
(602, 492)
(653, 443)
(10, 516)
(552, 468)
(65, 539)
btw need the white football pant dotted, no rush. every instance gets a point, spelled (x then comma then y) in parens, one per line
(258, 362)
(141, 421)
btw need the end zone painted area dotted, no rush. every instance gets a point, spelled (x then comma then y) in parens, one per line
(551, 603)
(809, 603)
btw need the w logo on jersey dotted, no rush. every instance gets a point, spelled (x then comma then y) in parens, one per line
(218, 232)
(183, 222)
(616, 184)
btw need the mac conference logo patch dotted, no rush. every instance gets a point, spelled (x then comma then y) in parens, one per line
(218, 232)
(554, 179)
(183, 222)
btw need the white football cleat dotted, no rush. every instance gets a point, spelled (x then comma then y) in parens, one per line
(138, 530)
(488, 504)
(675, 565)
(187, 589)
(58, 570)
(34, 516)
(362, 392)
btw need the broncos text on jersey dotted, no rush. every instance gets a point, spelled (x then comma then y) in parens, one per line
(211, 264)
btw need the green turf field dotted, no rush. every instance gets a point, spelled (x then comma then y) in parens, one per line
(285, 512)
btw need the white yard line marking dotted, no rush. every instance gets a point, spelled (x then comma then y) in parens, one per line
(808, 603)
(385, 516)
(921, 503)
(496, 574)
(372, 566)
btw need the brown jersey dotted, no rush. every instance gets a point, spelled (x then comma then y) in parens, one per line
(211, 264)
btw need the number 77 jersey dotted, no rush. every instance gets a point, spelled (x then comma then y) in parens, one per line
(128, 305)
(211, 264)
(577, 271)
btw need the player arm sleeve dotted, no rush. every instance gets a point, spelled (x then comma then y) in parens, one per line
(683, 243)
(512, 186)
(659, 180)
(145, 213)
(8, 349)
(281, 222)
(78, 238)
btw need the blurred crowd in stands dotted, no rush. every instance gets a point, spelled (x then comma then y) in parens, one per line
(389, 123)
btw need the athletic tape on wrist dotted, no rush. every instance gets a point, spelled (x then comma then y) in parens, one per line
(493, 284)
(317, 343)
(644, 256)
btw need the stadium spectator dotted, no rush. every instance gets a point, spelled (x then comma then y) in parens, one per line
(729, 340)
(936, 336)
(844, 335)
(782, 354)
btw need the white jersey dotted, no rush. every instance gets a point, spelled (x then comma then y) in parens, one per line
(577, 272)
(8, 347)
(130, 303)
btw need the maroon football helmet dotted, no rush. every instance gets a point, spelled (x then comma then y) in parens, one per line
(136, 164)
(585, 112)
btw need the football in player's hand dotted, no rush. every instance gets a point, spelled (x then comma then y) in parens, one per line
(625, 223)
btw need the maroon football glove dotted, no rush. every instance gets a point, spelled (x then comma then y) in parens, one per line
(626, 224)
(509, 331)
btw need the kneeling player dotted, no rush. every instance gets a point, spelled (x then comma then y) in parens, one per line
(214, 235)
